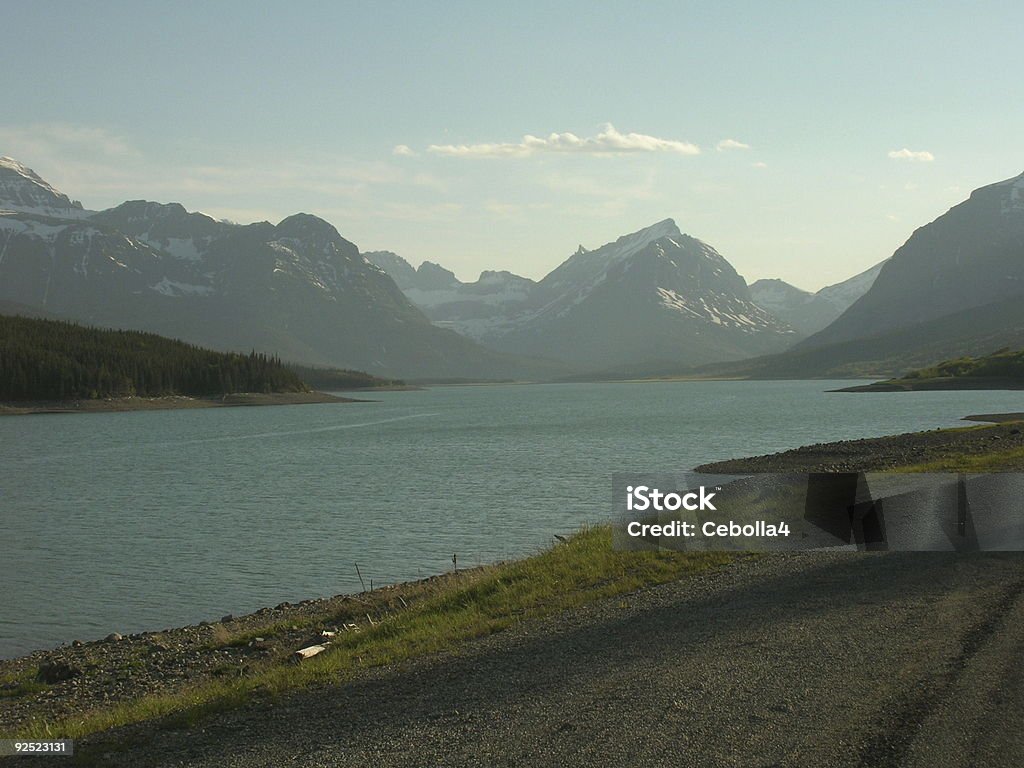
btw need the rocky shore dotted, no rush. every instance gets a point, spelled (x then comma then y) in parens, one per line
(937, 384)
(890, 452)
(170, 402)
(80, 677)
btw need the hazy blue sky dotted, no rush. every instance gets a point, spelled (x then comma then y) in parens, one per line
(253, 112)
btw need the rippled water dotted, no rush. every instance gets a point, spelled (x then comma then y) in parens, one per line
(132, 521)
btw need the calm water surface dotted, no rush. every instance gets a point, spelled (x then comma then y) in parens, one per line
(140, 521)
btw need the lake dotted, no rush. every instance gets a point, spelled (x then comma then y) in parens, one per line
(141, 521)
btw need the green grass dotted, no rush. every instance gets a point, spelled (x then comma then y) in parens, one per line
(992, 461)
(1000, 364)
(479, 602)
(13, 686)
(226, 638)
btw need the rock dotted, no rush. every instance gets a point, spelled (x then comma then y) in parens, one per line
(225, 619)
(307, 653)
(56, 672)
(77, 643)
(113, 637)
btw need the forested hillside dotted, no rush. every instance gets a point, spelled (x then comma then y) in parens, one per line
(53, 360)
(327, 379)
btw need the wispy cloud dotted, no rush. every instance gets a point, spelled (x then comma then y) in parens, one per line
(760, 164)
(403, 150)
(608, 142)
(913, 156)
(59, 139)
(726, 144)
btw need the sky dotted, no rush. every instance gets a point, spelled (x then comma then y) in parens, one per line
(803, 140)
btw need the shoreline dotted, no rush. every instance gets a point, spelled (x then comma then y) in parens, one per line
(997, 443)
(178, 677)
(944, 384)
(87, 674)
(169, 402)
(85, 678)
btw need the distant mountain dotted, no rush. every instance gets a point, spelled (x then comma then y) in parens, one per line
(971, 256)
(474, 309)
(653, 295)
(297, 289)
(955, 288)
(974, 331)
(810, 312)
(21, 189)
(398, 269)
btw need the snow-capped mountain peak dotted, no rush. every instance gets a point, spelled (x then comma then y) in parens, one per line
(630, 245)
(23, 190)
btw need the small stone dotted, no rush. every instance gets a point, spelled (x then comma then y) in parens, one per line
(77, 643)
(225, 619)
(113, 637)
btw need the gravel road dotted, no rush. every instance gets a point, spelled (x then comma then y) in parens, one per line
(809, 659)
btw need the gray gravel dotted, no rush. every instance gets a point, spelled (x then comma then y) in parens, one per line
(877, 454)
(812, 659)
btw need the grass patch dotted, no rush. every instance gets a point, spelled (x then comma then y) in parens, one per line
(1011, 459)
(24, 683)
(225, 638)
(477, 603)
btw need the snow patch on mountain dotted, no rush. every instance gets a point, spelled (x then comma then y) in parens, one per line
(43, 229)
(183, 248)
(673, 300)
(172, 288)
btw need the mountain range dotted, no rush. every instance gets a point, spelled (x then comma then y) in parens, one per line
(970, 256)
(653, 300)
(653, 297)
(296, 289)
(956, 287)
